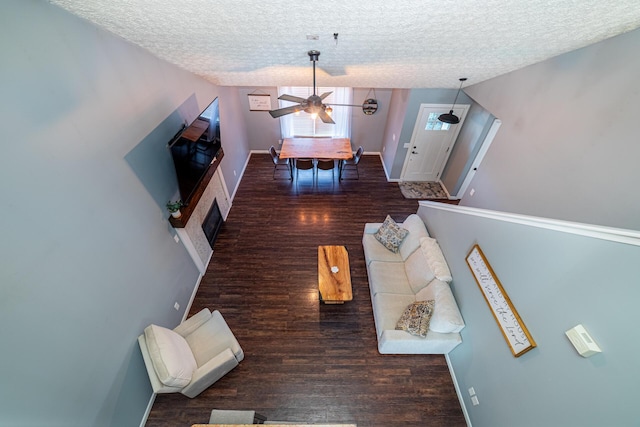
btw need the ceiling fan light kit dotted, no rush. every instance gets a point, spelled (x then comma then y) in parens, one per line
(312, 105)
(450, 117)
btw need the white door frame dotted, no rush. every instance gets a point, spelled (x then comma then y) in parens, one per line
(476, 162)
(447, 107)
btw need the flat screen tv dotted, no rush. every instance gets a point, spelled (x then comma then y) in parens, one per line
(194, 148)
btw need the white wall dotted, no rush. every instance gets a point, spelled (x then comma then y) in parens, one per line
(568, 145)
(87, 254)
(555, 280)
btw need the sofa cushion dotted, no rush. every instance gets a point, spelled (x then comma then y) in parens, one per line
(415, 318)
(387, 309)
(417, 270)
(435, 259)
(170, 355)
(417, 230)
(446, 316)
(389, 277)
(391, 235)
(374, 251)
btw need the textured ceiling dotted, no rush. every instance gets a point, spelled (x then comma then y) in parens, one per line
(381, 43)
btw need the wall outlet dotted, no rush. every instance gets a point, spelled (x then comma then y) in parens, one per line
(475, 400)
(472, 192)
(176, 306)
(176, 238)
(472, 391)
(234, 172)
(406, 145)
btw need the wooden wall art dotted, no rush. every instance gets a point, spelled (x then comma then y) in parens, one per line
(259, 102)
(511, 325)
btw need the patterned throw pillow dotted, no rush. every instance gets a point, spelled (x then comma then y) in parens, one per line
(391, 235)
(416, 318)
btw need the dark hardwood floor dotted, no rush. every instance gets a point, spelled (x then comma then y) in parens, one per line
(307, 361)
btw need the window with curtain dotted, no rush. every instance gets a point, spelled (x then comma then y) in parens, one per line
(301, 124)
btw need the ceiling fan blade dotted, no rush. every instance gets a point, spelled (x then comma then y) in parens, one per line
(292, 98)
(325, 117)
(345, 105)
(284, 111)
(324, 95)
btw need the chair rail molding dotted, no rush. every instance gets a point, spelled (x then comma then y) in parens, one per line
(620, 235)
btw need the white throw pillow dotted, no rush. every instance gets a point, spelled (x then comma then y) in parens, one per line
(171, 356)
(417, 230)
(435, 259)
(418, 271)
(446, 317)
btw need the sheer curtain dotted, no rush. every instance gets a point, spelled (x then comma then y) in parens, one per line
(302, 124)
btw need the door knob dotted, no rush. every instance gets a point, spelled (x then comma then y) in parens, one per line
(413, 152)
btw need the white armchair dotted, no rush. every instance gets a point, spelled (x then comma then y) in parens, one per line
(192, 356)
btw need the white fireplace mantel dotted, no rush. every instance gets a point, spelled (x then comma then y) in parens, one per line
(192, 235)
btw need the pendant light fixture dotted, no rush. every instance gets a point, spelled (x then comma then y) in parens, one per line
(450, 117)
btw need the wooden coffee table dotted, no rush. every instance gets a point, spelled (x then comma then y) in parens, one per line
(334, 276)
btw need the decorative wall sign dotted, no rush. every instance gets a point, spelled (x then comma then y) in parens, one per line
(259, 102)
(511, 325)
(369, 106)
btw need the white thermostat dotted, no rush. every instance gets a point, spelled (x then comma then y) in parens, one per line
(582, 341)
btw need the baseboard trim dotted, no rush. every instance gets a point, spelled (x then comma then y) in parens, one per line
(148, 410)
(444, 187)
(458, 392)
(184, 317)
(195, 291)
(244, 168)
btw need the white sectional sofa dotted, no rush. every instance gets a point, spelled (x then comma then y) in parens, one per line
(417, 272)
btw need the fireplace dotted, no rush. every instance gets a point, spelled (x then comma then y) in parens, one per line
(212, 223)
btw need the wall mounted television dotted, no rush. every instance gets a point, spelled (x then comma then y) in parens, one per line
(194, 148)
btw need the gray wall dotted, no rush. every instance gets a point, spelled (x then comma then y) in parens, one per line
(417, 97)
(264, 131)
(556, 281)
(87, 255)
(368, 131)
(234, 136)
(397, 109)
(568, 145)
(474, 129)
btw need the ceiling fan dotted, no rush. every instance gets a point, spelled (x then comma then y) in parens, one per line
(313, 104)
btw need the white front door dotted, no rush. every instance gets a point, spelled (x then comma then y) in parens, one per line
(431, 142)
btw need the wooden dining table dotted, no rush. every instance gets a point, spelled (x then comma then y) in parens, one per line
(316, 148)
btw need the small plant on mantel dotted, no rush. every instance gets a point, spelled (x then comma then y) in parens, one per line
(174, 208)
